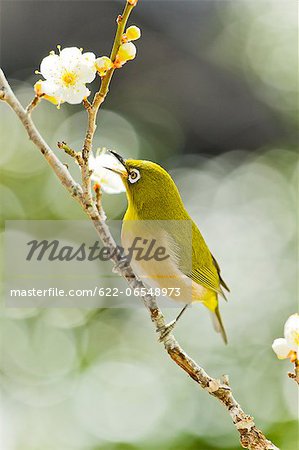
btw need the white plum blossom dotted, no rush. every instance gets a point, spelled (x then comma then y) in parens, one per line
(66, 75)
(109, 181)
(288, 347)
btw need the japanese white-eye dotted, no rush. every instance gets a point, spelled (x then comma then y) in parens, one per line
(153, 198)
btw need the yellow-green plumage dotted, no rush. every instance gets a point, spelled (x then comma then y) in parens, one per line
(155, 197)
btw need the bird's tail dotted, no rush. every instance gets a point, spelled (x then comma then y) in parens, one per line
(218, 324)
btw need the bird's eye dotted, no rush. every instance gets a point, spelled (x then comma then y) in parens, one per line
(134, 175)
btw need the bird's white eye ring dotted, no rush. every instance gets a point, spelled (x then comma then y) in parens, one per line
(134, 175)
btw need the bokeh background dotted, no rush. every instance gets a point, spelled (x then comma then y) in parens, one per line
(212, 97)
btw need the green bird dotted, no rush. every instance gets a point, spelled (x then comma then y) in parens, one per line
(156, 213)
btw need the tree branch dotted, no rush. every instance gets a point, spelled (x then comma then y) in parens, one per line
(92, 109)
(98, 201)
(250, 436)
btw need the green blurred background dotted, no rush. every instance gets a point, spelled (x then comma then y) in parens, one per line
(212, 97)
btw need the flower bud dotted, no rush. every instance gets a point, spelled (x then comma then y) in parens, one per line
(133, 2)
(125, 53)
(281, 348)
(66, 75)
(103, 64)
(133, 33)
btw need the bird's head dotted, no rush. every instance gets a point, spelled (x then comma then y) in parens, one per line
(146, 183)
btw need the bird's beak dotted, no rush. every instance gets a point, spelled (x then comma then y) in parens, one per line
(122, 172)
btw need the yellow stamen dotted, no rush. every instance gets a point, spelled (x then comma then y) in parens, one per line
(69, 78)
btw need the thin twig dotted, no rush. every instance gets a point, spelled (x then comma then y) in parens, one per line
(34, 102)
(69, 151)
(92, 109)
(98, 200)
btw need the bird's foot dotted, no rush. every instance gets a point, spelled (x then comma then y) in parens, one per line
(165, 330)
(120, 265)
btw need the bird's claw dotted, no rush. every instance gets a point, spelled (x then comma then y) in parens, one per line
(165, 330)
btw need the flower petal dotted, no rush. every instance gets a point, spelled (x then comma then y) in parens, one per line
(86, 67)
(83, 65)
(70, 56)
(110, 182)
(86, 73)
(49, 91)
(50, 66)
(89, 58)
(107, 160)
(49, 87)
(281, 347)
(75, 94)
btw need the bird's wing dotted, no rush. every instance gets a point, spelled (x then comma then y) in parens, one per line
(207, 278)
(222, 282)
(199, 264)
